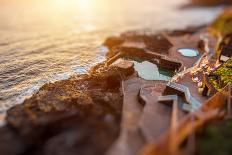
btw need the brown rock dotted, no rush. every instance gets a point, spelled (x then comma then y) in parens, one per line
(127, 67)
(67, 117)
(10, 142)
(113, 41)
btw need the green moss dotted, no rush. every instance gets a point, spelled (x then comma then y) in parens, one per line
(224, 72)
(213, 81)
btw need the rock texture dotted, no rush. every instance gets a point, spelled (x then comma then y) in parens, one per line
(156, 43)
(80, 115)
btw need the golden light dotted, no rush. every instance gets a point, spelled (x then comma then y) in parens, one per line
(79, 5)
(84, 4)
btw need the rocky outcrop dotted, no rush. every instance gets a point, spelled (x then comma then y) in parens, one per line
(80, 115)
(156, 43)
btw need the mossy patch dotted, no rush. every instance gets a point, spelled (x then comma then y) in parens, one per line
(224, 72)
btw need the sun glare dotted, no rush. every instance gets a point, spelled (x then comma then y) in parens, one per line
(84, 4)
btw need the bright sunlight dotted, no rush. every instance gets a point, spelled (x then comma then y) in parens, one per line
(82, 5)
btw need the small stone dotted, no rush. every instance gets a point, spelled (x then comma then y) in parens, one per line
(126, 67)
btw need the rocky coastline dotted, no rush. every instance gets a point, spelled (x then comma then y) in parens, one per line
(93, 114)
(84, 111)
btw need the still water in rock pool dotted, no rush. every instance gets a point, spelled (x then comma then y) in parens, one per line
(188, 52)
(150, 71)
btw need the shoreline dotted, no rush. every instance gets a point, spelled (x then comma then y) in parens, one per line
(63, 97)
(112, 109)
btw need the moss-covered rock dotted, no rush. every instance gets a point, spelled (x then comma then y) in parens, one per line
(222, 76)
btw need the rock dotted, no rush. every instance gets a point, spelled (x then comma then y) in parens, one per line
(187, 31)
(64, 117)
(156, 43)
(10, 142)
(127, 67)
(113, 41)
(201, 45)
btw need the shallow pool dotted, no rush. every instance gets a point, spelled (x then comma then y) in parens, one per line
(188, 52)
(150, 71)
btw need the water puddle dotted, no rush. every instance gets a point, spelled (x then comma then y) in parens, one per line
(188, 52)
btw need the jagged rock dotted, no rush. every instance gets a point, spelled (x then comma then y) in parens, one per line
(68, 113)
